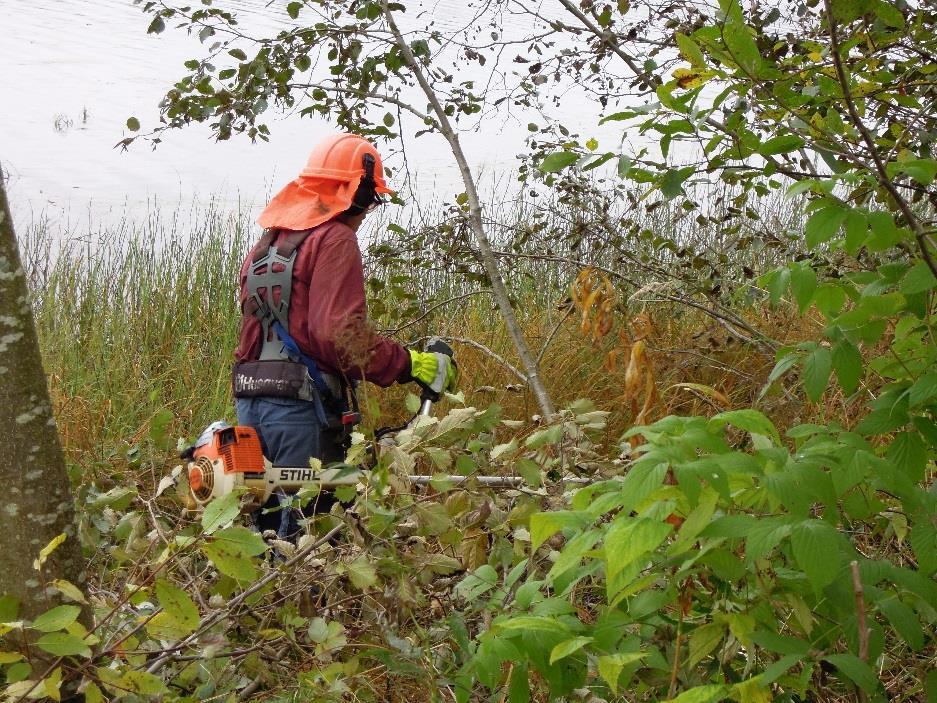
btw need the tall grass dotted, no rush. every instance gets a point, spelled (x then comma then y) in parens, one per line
(143, 317)
(135, 320)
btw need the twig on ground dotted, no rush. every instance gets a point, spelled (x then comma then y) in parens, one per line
(250, 688)
(161, 661)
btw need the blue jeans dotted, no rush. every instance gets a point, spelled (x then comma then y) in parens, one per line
(291, 432)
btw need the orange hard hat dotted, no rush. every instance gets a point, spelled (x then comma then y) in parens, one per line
(328, 184)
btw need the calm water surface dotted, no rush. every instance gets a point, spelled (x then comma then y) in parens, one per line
(73, 71)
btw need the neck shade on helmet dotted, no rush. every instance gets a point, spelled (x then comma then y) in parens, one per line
(343, 173)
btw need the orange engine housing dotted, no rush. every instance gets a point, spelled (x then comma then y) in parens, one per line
(237, 447)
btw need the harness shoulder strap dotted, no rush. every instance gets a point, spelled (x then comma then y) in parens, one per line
(269, 287)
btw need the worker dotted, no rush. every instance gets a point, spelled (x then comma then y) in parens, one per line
(305, 338)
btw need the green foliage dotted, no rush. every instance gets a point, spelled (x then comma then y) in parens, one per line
(723, 557)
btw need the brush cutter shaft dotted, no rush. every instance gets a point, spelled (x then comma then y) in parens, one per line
(486, 481)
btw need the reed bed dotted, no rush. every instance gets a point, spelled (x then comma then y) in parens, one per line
(142, 318)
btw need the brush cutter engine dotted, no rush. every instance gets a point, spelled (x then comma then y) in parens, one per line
(226, 457)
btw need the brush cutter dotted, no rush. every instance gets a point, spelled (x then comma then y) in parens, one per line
(227, 457)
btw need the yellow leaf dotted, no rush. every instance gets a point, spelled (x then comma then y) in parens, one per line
(93, 693)
(691, 77)
(9, 657)
(52, 683)
(47, 550)
(752, 691)
(69, 590)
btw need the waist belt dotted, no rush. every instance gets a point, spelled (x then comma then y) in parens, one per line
(331, 387)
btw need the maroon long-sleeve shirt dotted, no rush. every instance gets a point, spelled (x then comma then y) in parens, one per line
(328, 311)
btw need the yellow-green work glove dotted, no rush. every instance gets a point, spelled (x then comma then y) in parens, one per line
(434, 371)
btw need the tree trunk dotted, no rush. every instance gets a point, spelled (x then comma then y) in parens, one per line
(37, 503)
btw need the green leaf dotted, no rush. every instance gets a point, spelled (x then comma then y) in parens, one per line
(883, 420)
(671, 184)
(847, 363)
(69, 590)
(781, 644)
(133, 124)
(885, 233)
(803, 285)
(909, 453)
(849, 10)
(156, 26)
(857, 231)
(857, 670)
(742, 48)
(548, 435)
(361, 573)
(220, 512)
(230, 562)
(702, 694)
(817, 366)
(777, 283)
(750, 420)
(433, 518)
(921, 170)
(231, 551)
(690, 50)
(478, 582)
(610, 666)
(573, 551)
(293, 8)
(923, 541)
(567, 647)
(178, 606)
(519, 687)
(889, 13)
(63, 644)
(238, 54)
(704, 640)
(557, 161)
(143, 683)
(630, 538)
(918, 279)
(905, 622)
(302, 63)
(923, 390)
(816, 549)
(824, 224)
(57, 618)
(545, 525)
(780, 145)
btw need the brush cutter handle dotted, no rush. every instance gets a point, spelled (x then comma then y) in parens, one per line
(436, 346)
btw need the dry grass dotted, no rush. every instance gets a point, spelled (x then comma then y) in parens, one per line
(145, 319)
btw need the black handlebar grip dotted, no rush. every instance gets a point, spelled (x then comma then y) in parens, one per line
(437, 346)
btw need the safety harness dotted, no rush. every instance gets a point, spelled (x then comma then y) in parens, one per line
(269, 287)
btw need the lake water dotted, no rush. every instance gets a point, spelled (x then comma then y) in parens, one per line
(73, 71)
